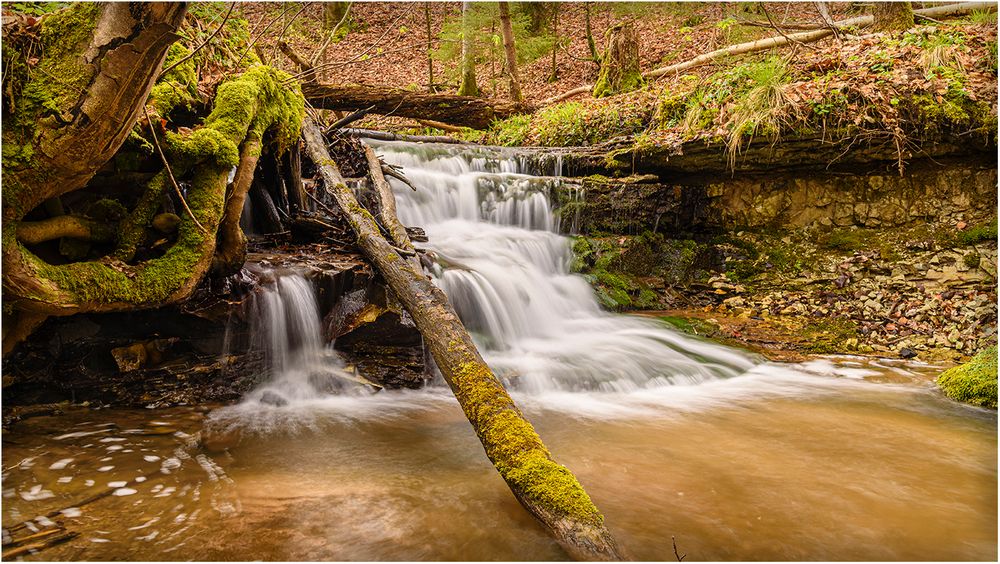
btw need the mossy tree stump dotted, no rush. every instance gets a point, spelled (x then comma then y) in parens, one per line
(620, 63)
(892, 16)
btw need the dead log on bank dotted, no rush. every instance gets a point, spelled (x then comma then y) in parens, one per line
(468, 111)
(546, 489)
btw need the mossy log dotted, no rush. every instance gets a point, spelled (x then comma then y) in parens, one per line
(546, 489)
(467, 111)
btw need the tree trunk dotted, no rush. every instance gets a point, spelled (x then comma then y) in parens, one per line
(554, 75)
(468, 85)
(591, 46)
(465, 111)
(546, 489)
(892, 16)
(620, 67)
(430, 48)
(508, 46)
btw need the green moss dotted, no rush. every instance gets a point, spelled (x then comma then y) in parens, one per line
(974, 382)
(246, 107)
(51, 89)
(178, 87)
(986, 231)
(515, 448)
(829, 335)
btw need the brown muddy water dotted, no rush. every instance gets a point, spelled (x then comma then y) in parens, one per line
(836, 459)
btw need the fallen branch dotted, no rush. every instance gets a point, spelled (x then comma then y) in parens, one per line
(468, 111)
(74, 227)
(390, 171)
(349, 119)
(546, 489)
(388, 136)
(772, 42)
(387, 204)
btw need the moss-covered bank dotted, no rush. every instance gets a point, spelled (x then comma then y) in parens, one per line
(974, 382)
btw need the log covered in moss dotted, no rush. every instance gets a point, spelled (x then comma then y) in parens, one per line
(548, 490)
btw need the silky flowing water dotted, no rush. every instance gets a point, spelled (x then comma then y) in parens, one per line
(673, 437)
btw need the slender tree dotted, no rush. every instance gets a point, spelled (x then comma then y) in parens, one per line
(591, 46)
(555, 42)
(430, 48)
(468, 85)
(508, 45)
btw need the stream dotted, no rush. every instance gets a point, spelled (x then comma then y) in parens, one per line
(675, 438)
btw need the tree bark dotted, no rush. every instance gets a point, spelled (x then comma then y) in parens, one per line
(74, 227)
(546, 489)
(468, 85)
(430, 48)
(892, 16)
(620, 66)
(231, 249)
(510, 49)
(468, 111)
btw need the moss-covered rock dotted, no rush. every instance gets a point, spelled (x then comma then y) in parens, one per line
(974, 382)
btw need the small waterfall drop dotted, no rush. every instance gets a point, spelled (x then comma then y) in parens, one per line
(288, 330)
(505, 268)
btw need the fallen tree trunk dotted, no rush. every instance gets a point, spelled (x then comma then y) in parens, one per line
(780, 41)
(546, 489)
(467, 111)
(388, 136)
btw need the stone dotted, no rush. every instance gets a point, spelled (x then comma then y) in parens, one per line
(130, 358)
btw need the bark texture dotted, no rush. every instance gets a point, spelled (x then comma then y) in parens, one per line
(511, 52)
(71, 115)
(892, 16)
(468, 86)
(546, 489)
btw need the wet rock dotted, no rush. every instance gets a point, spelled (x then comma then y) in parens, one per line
(130, 358)
(907, 353)
(271, 398)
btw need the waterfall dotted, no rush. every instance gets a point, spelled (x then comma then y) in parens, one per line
(287, 327)
(505, 268)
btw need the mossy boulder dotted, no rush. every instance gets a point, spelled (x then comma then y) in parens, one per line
(974, 382)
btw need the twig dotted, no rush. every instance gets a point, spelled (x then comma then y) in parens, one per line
(170, 173)
(679, 557)
(349, 119)
(389, 171)
(378, 41)
(198, 48)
